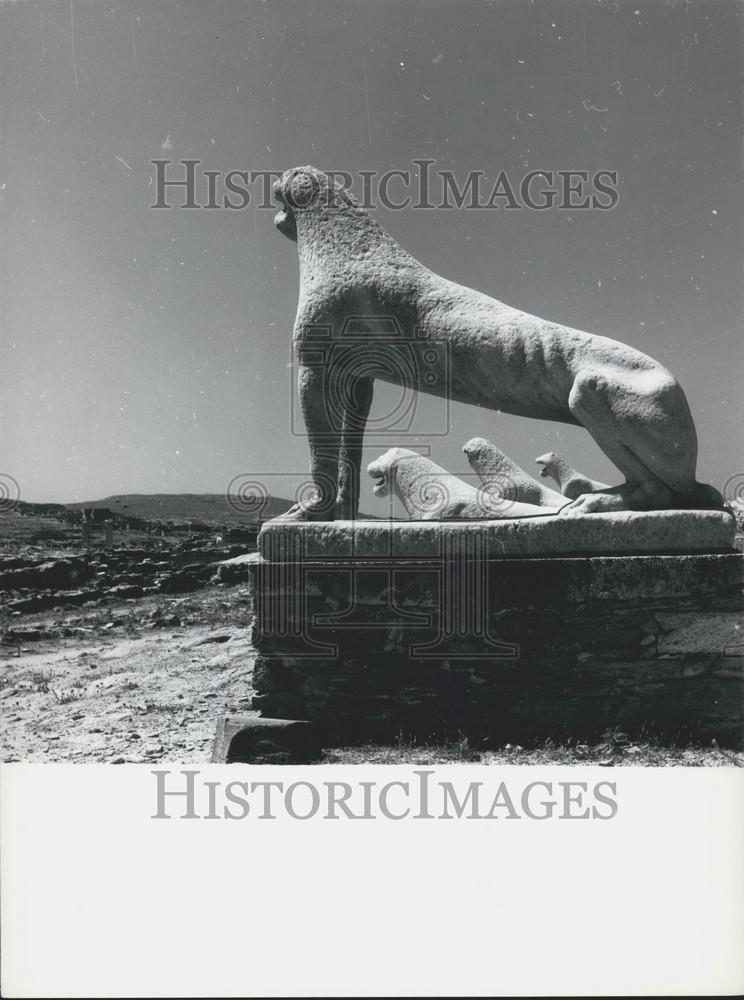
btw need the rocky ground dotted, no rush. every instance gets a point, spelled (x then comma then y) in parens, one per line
(122, 655)
(144, 680)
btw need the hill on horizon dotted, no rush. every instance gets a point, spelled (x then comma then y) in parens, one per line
(205, 507)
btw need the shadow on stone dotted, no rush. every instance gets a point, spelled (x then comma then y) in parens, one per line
(252, 740)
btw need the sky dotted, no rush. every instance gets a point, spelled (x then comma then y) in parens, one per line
(148, 350)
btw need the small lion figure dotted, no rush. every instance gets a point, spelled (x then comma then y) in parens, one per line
(495, 468)
(571, 483)
(502, 358)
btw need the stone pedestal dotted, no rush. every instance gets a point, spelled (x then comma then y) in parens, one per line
(373, 629)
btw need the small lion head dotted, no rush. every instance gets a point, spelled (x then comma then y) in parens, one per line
(476, 447)
(383, 469)
(301, 189)
(547, 461)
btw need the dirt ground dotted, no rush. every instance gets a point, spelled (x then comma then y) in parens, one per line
(143, 682)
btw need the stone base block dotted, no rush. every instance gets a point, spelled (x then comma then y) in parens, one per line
(693, 699)
(251, 739)
(656, 531)
(454, 639)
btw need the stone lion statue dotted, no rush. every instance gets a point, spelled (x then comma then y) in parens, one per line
(497, 471)
(430, 493)
(570, 482)
(498, 357)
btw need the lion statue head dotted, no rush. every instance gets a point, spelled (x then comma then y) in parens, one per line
(303, 190)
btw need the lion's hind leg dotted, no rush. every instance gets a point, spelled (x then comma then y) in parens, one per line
(641, 421)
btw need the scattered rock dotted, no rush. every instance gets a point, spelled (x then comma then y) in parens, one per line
(58, 599)
(19, 633)
(58, 574)
(255, 740)
(125, 591)
(219, 637)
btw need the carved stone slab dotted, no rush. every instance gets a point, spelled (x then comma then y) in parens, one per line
(615, 533)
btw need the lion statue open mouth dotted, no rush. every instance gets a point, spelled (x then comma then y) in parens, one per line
(381, 487)
(284, 219)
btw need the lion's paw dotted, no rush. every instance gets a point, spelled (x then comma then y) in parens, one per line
(594, 503)
(307, 512)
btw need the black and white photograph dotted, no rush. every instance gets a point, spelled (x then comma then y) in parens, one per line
(371, 405)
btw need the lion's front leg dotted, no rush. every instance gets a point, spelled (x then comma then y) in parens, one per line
(356, 411)
(324, 442)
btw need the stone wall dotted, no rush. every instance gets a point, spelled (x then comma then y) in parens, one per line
(510, 648)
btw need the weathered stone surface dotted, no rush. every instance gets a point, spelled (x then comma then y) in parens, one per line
(611, 533)
(31, 585)
(498, 472)
(690, 632)
(737, 511)
(20, 633)
(191, 577)
(530, 647)
(124, 591)
(530, 698)
(57, 574)
(602, 603)
(430, 493)
(435, 336)
(15, 562)
(570, 482)
(53, 599)
(237, 569)
(250, 739)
